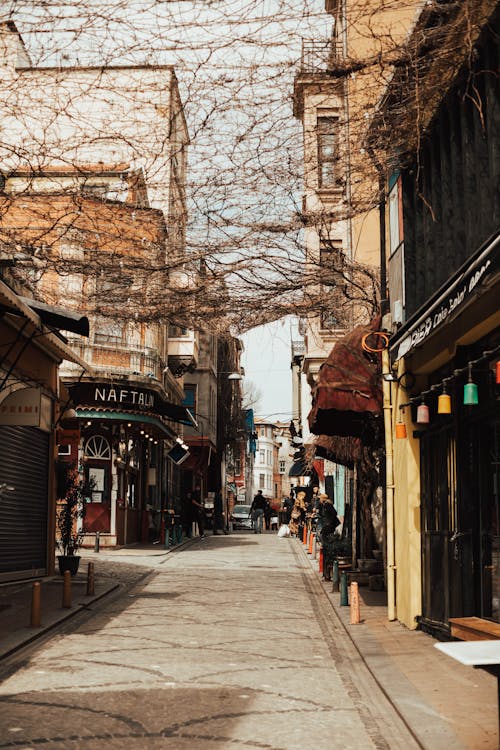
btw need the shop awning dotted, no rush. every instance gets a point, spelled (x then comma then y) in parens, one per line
(122, 416)
(347, 399)
(56, 317)
(340, 450)
(126, 394)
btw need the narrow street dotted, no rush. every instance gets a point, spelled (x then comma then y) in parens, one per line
(229, 644)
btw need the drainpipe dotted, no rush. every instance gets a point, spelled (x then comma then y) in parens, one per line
(389, 490)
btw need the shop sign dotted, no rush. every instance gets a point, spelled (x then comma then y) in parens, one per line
(450, 302)
(113, 396)
(26, 407)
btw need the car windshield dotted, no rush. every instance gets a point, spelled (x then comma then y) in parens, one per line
(240, 510)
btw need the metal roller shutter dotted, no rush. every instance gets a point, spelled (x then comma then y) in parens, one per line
(24, 456)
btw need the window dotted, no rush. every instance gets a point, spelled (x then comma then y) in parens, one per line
(108, 331)
(282, 466)
(269, 458)
(177, 332)
(327, 151)
(262, 456)
(190, 398)
(262, 481)
(98, 447)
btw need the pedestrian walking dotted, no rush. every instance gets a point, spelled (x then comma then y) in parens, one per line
(198, 512)
(268, 511)
(257, 512)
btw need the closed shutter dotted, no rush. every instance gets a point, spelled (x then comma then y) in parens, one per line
(24, 461)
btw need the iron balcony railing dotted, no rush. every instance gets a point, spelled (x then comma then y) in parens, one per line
(318, 56)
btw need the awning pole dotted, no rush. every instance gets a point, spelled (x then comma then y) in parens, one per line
(389, 489)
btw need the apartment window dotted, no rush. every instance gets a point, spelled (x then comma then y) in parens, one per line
(190, 398)
(269, 458)
(108, 331)
(282, 465)
(269, 483)
(262, 456)
(177, 332)
(327, 150)
(262, 481)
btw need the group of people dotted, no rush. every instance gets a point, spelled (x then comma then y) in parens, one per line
(317, 509)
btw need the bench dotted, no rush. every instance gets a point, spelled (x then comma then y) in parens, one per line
(474, 629)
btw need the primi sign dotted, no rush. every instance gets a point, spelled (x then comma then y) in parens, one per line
(27, 407)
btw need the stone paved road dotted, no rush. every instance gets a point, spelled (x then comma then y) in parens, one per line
(230, 644)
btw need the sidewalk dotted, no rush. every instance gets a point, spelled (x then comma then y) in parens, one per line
(444, 704)
(15, 598)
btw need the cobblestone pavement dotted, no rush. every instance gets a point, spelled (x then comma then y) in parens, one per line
(230, 643)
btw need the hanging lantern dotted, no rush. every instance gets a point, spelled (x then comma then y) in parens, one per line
(444, 402)
(471, 397)
(423, 413)
(400, 430)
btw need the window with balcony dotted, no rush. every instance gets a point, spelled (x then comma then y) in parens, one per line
(108, 332)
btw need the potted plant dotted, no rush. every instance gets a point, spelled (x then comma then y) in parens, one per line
(335, 547)
(341, 548)
(71, 510)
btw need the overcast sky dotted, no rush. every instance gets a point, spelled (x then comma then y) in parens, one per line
(266, 359)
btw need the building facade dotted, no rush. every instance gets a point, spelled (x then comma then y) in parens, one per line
(104, 211)
(442, 192)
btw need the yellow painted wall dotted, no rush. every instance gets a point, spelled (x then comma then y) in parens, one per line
(407, 517)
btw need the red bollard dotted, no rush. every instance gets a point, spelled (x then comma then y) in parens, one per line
(35, 606)
(321, 560)
(311, 539)
(66, 598)
(304, 535)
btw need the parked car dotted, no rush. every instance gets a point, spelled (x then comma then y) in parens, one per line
(240, 518)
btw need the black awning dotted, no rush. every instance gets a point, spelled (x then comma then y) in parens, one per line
(177, 413)
(57, 317)
(299, 469)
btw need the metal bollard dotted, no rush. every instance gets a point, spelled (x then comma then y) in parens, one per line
(90, 580)
(344, 601)
(66, 599)
(355, 616)
(97, 541)
(179, 533)
(335, 576)
(35, 606)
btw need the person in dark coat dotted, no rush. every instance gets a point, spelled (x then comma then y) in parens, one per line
(328, 518)
(268, 511)
(257, 511)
